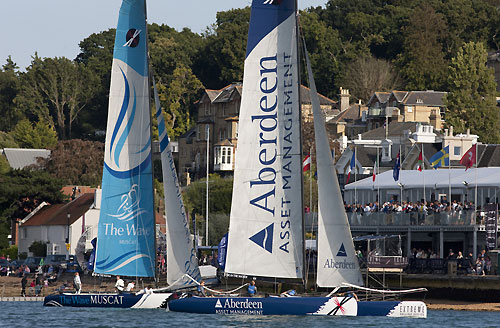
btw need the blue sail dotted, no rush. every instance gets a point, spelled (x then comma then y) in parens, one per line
(126, 233)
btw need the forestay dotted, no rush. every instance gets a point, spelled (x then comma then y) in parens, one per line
(181, 256)
(265, 232)
(337, 261)
(125, 244)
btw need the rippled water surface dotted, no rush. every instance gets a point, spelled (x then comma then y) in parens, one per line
(33, 314)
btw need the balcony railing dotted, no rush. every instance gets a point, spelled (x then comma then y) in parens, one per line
(464, 218)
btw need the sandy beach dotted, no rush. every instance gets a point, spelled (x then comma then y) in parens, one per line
(461, 305)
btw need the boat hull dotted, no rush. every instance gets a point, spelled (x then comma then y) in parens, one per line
(113, 300)
(337, 306)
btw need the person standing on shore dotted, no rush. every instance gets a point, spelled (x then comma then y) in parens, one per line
(24, 282)
(77, 283)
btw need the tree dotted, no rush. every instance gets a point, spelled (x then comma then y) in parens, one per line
(22, 191)
(366, 75)
(220, 194)
(76, 162)
(471, 101)
(422, 62)
(39, 136)
(38, 248)
(56, 90)
(7, 141)
(177, 100)
(9, 88)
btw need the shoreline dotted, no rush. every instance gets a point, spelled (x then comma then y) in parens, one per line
(437, 304)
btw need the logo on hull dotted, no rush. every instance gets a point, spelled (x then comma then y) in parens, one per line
(264, 238)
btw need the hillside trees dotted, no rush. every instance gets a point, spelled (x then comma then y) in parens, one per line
(55, 90)
(471, 101)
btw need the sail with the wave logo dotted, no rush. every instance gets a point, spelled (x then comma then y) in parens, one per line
(126, 232)
(265, 230)
(181, 255)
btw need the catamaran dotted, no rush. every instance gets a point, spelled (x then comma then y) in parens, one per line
(126, 231)
(266, 231)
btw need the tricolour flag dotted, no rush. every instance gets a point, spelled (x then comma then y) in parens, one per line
(395, 170)
(352, 165)
(420, 162)
(469, 158)
(306, 163)
(441, 158)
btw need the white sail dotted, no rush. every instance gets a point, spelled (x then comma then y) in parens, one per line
(265, 230)
(337, 261)
(181, 256)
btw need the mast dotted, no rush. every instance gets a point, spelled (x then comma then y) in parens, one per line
(297, 40)
(155, 246)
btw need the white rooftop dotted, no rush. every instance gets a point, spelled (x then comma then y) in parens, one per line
(19, 158)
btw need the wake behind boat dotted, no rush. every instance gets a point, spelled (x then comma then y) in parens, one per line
(266, 235)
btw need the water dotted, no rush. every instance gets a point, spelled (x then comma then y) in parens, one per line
(33, 314)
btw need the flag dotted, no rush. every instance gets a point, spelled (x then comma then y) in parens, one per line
(374, 170)
(352, 165)
(420, 162)
(441, 158)
(469, 158)
(395, 170)
(306, 163)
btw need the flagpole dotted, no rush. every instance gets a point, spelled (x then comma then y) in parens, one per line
(475, 178)
(355, 189)
(449, 178)
(310, 181)
(378, 186)
(423, 171)
(400, 172)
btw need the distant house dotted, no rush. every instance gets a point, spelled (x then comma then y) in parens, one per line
(218, 115)
(406, 106)
(60, 224)
(19, 158)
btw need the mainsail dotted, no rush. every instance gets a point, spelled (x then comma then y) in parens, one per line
(126, 232)
(337, 262)
(181, 256)
(265, 230)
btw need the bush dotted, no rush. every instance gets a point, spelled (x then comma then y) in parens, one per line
(38, 248)
(10, 251)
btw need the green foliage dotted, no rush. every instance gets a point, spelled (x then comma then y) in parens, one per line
(56, 90)
(40, 136)
(38, 248)
(422, 61)
(219, 195)
(76, 162)
(471, 101)
(11, 251)
(7, 141)
(22, 191)
(9, 88)
(4, 165)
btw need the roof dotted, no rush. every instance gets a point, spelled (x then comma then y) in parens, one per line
(396, 129)
(429, 98)
(305, 97)
(58, 214)
(352, 113)
(19, 158)
(399, 95)
(224, 142)
(226, 93)
(412, 179)
(488, 155)
(381, 96)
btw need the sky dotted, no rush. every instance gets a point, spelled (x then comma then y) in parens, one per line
(53, 28)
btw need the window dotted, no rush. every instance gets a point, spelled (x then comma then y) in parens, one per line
(410, 109)
(419, 101)
(223, 155)
(394, 103)
(198, 132)
(457, 151)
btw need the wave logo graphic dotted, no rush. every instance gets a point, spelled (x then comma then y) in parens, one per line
(109, 266)
(264, 238)
(129, 208)
(129, 150)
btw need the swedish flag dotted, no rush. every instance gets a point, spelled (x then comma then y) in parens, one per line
(441, 158)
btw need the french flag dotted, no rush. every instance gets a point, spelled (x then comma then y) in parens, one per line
(352, 165)
(306, 163)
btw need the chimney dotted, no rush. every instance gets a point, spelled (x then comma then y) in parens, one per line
(446, 132)
(468, 132)
(451, 131)
(344, 99)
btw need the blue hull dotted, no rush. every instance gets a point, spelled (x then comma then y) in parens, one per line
(124, 300)
(297, 306)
